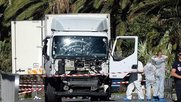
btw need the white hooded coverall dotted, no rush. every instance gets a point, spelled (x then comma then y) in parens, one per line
(149, 71)
(160, 64)
(136, 84)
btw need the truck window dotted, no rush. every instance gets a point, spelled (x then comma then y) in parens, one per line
(124, 48)
(79, 46)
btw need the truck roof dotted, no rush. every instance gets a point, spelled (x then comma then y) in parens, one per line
(78, 23)
(99, 34)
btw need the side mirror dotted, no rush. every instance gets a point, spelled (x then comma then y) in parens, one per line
(111, 42)
(44, 50)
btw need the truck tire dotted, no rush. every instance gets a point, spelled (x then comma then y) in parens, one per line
(49, 94)
(94, 98)
(104, 98)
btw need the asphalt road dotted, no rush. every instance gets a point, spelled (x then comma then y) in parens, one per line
(114, 98)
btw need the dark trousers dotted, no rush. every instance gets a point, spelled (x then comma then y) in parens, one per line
(178, 90)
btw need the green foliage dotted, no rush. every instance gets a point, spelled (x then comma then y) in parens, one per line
(20, 10)
(3, 2)
(97, 3)
(124, 3)
(155, 32)
(78, 5)
(5, 56)
(107, 7)
(166, 48)
(155, 22)
(147, 29)
(144, 55)
(28, 14)
(121, 28)
(10, 12)
(59, 6)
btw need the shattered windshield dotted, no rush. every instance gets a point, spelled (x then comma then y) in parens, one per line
(81, 46)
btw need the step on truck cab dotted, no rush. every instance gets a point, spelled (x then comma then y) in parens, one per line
(73, 51)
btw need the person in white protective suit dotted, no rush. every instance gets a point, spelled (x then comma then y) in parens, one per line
(136, 85)
(149, 71)
(159, 60)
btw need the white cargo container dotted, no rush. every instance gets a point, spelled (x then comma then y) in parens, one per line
(27, 45)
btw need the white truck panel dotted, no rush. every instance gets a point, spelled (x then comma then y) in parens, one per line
(119, 69)
(78, 22)
(95, 34)
(26, 46)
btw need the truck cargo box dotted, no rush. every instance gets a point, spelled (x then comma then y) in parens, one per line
(27, 47)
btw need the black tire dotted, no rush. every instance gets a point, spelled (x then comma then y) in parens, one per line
(49, 94)
(105, 98)
(94, 98)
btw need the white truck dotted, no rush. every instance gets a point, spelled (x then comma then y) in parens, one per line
(73, 51)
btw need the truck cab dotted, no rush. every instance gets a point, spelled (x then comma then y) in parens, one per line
(77, 55)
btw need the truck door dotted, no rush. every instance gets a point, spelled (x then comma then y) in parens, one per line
(123, 57)
(27, 47)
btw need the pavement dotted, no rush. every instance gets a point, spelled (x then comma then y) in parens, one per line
(114, 98)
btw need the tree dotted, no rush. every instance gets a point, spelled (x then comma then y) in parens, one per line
(5, 60)
(156, 22)
(164, 20)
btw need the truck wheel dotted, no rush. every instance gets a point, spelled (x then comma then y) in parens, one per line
(104, 98)
(94, 98)
(49, 94)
